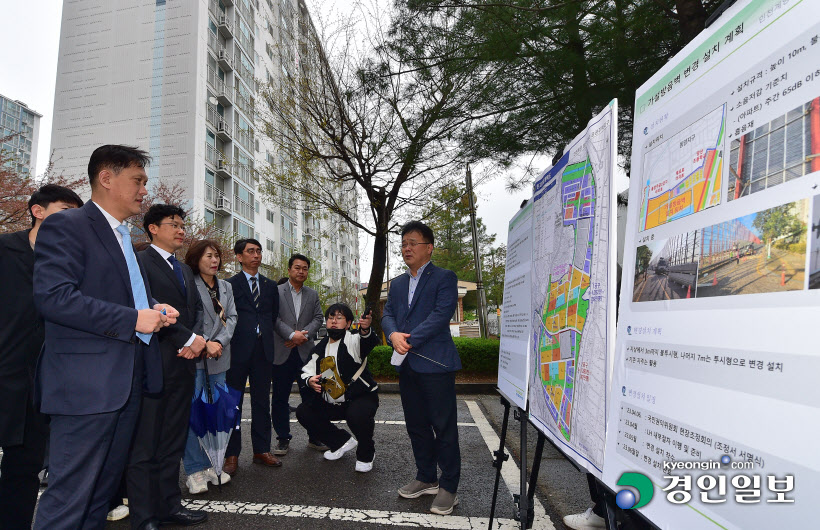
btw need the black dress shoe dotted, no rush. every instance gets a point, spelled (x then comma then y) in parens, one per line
(185, 517)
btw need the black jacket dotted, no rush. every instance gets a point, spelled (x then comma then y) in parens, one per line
(346, 364)
(21, 334)
(244, 334)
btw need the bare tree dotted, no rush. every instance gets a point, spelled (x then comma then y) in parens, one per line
(381, 123)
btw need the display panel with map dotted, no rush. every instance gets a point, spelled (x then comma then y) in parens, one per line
(573, 298)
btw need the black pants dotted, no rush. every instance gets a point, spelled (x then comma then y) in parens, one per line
(152, 477)
(258, 369)
(87, 455)
(429, 403)
(19, 481)
(315, 416)
(283, 376)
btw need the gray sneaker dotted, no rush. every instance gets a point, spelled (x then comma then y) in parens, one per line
(281, 448)
(416, 488)
(444, 502)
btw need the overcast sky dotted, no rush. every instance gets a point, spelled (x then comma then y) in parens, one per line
(28, 58)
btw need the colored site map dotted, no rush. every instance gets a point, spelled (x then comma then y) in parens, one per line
(683, 172)
(571, 217)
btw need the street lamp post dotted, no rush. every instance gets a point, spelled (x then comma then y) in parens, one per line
(482, 300)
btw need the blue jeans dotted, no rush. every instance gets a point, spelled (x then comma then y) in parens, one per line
(195, 459)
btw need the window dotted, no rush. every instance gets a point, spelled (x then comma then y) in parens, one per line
(209, 216)
(269, 216)
(269, 244)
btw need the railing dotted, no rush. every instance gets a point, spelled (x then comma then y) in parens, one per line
(211, 154)
(246, 42)
(245, 138)
(244, 103)
(244, 173)
(213, 7)
(245, 10)
(243, 208)
(211, 193)
(240, 68)
(225, 22)
(213, 42)
(212, 116)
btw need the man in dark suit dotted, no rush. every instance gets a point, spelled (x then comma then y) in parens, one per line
(416, 322)
(252, 351)
(159, 441)
(23, 430)
(100, 345)
(300, 317)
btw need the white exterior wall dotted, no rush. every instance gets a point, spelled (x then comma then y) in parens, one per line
(136, 73)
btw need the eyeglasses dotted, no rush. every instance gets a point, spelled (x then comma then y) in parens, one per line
(336, 316)
(414, 244)
(175, 226)
(253, 251)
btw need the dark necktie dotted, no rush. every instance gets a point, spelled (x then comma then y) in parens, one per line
(178, 271)
(255, 292)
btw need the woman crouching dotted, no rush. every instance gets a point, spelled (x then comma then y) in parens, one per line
(337, 372)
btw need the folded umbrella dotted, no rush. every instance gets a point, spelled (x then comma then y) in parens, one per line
(214, 416)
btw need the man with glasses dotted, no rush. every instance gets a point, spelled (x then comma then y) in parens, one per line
(152, 477)
(416, 322)
(252, 352)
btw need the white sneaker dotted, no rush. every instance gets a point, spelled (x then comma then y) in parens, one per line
(364, 467)
(584, 521)
(338, 453)
(118, 513)
(211, 474)
(198, 482)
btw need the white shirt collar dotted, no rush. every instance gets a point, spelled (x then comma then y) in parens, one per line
(418, 273)
(249, 276)
(164, 253)
(108, 217)
(293, 289)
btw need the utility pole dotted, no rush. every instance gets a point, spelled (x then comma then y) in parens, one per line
(482, 299)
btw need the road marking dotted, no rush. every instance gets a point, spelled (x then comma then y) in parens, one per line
(382, 517)
(385, 422)
(509, 471)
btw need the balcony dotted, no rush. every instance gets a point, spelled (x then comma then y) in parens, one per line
(212, 116)
(223, 168)
(245, 173)
(223, 130)
(218, 199)
(243, 208)
(245, 138)
(225, 26)
(213, 43)
(212, 156)
(224, 59)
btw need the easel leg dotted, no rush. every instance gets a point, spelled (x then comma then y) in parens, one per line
(609, 507)
(522, 497)
(536, 469)
(500, 457)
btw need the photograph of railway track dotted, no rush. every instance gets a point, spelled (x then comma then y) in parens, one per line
(763, 252)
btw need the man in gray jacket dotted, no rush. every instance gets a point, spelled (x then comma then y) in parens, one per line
(300, 317)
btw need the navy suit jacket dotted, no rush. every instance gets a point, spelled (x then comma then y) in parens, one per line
(426, 319)
(83, 291)
(244, 334)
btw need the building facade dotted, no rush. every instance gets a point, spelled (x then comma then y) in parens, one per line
(180, 79)
(22, 125)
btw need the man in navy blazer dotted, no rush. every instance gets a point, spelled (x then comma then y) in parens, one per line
(257, 306)
(100, 344)
(416, 322)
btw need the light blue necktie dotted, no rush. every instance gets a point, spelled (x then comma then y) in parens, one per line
(137, 285)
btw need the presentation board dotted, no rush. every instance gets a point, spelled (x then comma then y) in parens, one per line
(717, 358)
(516, 323)
(573, 292)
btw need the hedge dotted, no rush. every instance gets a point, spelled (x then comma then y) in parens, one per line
(478, 356)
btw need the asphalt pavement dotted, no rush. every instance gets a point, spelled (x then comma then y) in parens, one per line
(310, 492)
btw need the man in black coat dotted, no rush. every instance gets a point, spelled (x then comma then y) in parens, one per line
(252, 348)
(152, 476)
(23, 430)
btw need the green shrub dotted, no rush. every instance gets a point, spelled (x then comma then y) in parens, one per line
(478, 356)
